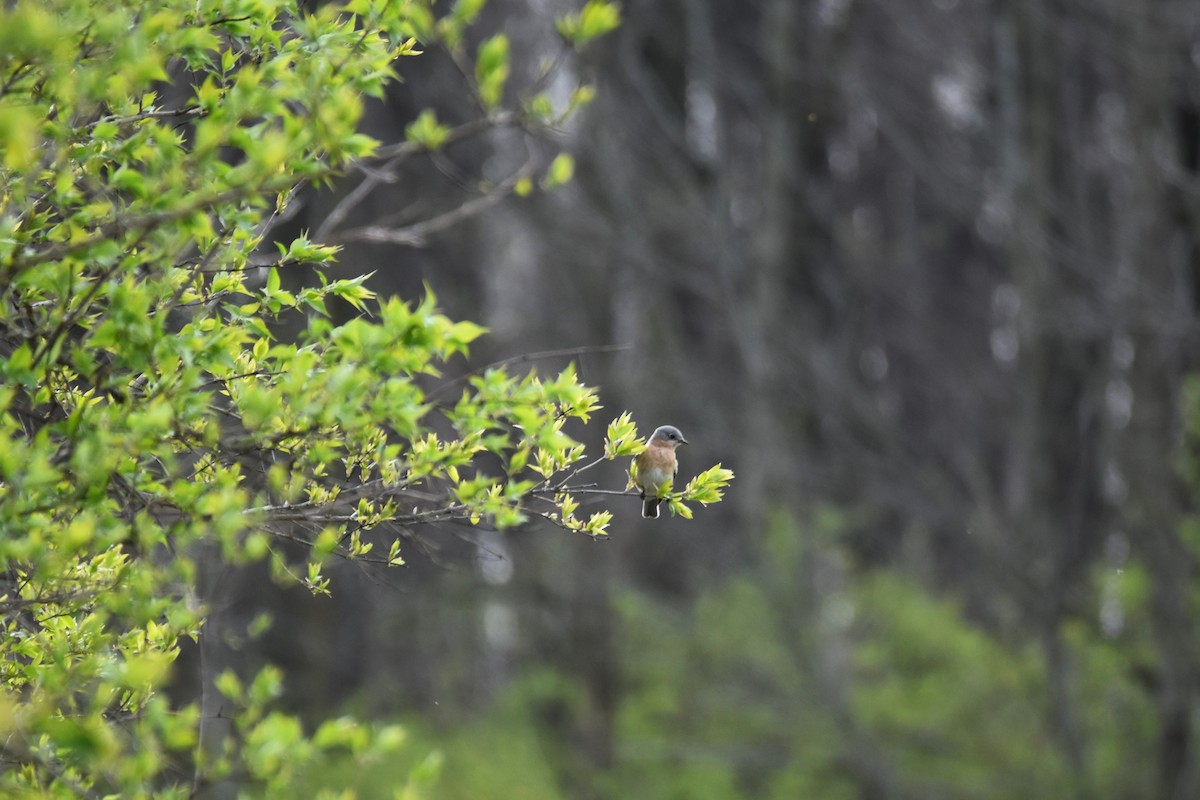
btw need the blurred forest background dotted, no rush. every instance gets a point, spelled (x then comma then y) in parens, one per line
(924, 274)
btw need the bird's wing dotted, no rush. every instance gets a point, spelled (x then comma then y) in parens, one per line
(634, 468)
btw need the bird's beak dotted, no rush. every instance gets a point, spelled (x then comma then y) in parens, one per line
(683, 440)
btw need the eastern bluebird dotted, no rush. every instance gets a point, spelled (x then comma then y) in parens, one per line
(656, 465)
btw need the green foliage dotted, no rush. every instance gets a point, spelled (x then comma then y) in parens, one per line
(561, 170)
(946, 701)
(497, 758)
(427, 131)
(621, 438)
(597, 18)
(491, 69)
(408, 770)
(789, 689)
(150, 412)
(802, 677)
(494, 759)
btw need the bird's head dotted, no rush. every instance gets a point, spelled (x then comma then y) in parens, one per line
(667, 435)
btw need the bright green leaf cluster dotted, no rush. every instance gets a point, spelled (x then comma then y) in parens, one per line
(491, 70)
(621, 438)
(597, 18)
(170, 383)
(709, 486)
(705, 488)
(561, 170)
(426, 131)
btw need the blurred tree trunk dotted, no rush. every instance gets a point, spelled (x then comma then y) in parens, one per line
(1159, 261)
(1053, 489)
(761, 314)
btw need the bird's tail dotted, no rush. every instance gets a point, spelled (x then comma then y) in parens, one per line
(650, 507)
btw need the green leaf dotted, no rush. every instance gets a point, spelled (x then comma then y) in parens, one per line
(596, 18)
(679, 508)
(230, 686)
(427, 131)
(19, 132)
(421, 21)
(561, 170)
(621, 438)
(581, 96)
(709, 486)
(491, 70)
(266, 686)
(466, 10)
(462, 334)
(19, 367)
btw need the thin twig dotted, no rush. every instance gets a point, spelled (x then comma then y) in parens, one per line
(581, 490)
(396, 155)
(575, 472)
(415, 235)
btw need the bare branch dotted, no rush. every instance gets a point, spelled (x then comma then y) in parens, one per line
(397, 154)
(415, 235)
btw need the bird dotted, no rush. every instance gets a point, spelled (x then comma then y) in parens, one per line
(655, 466)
